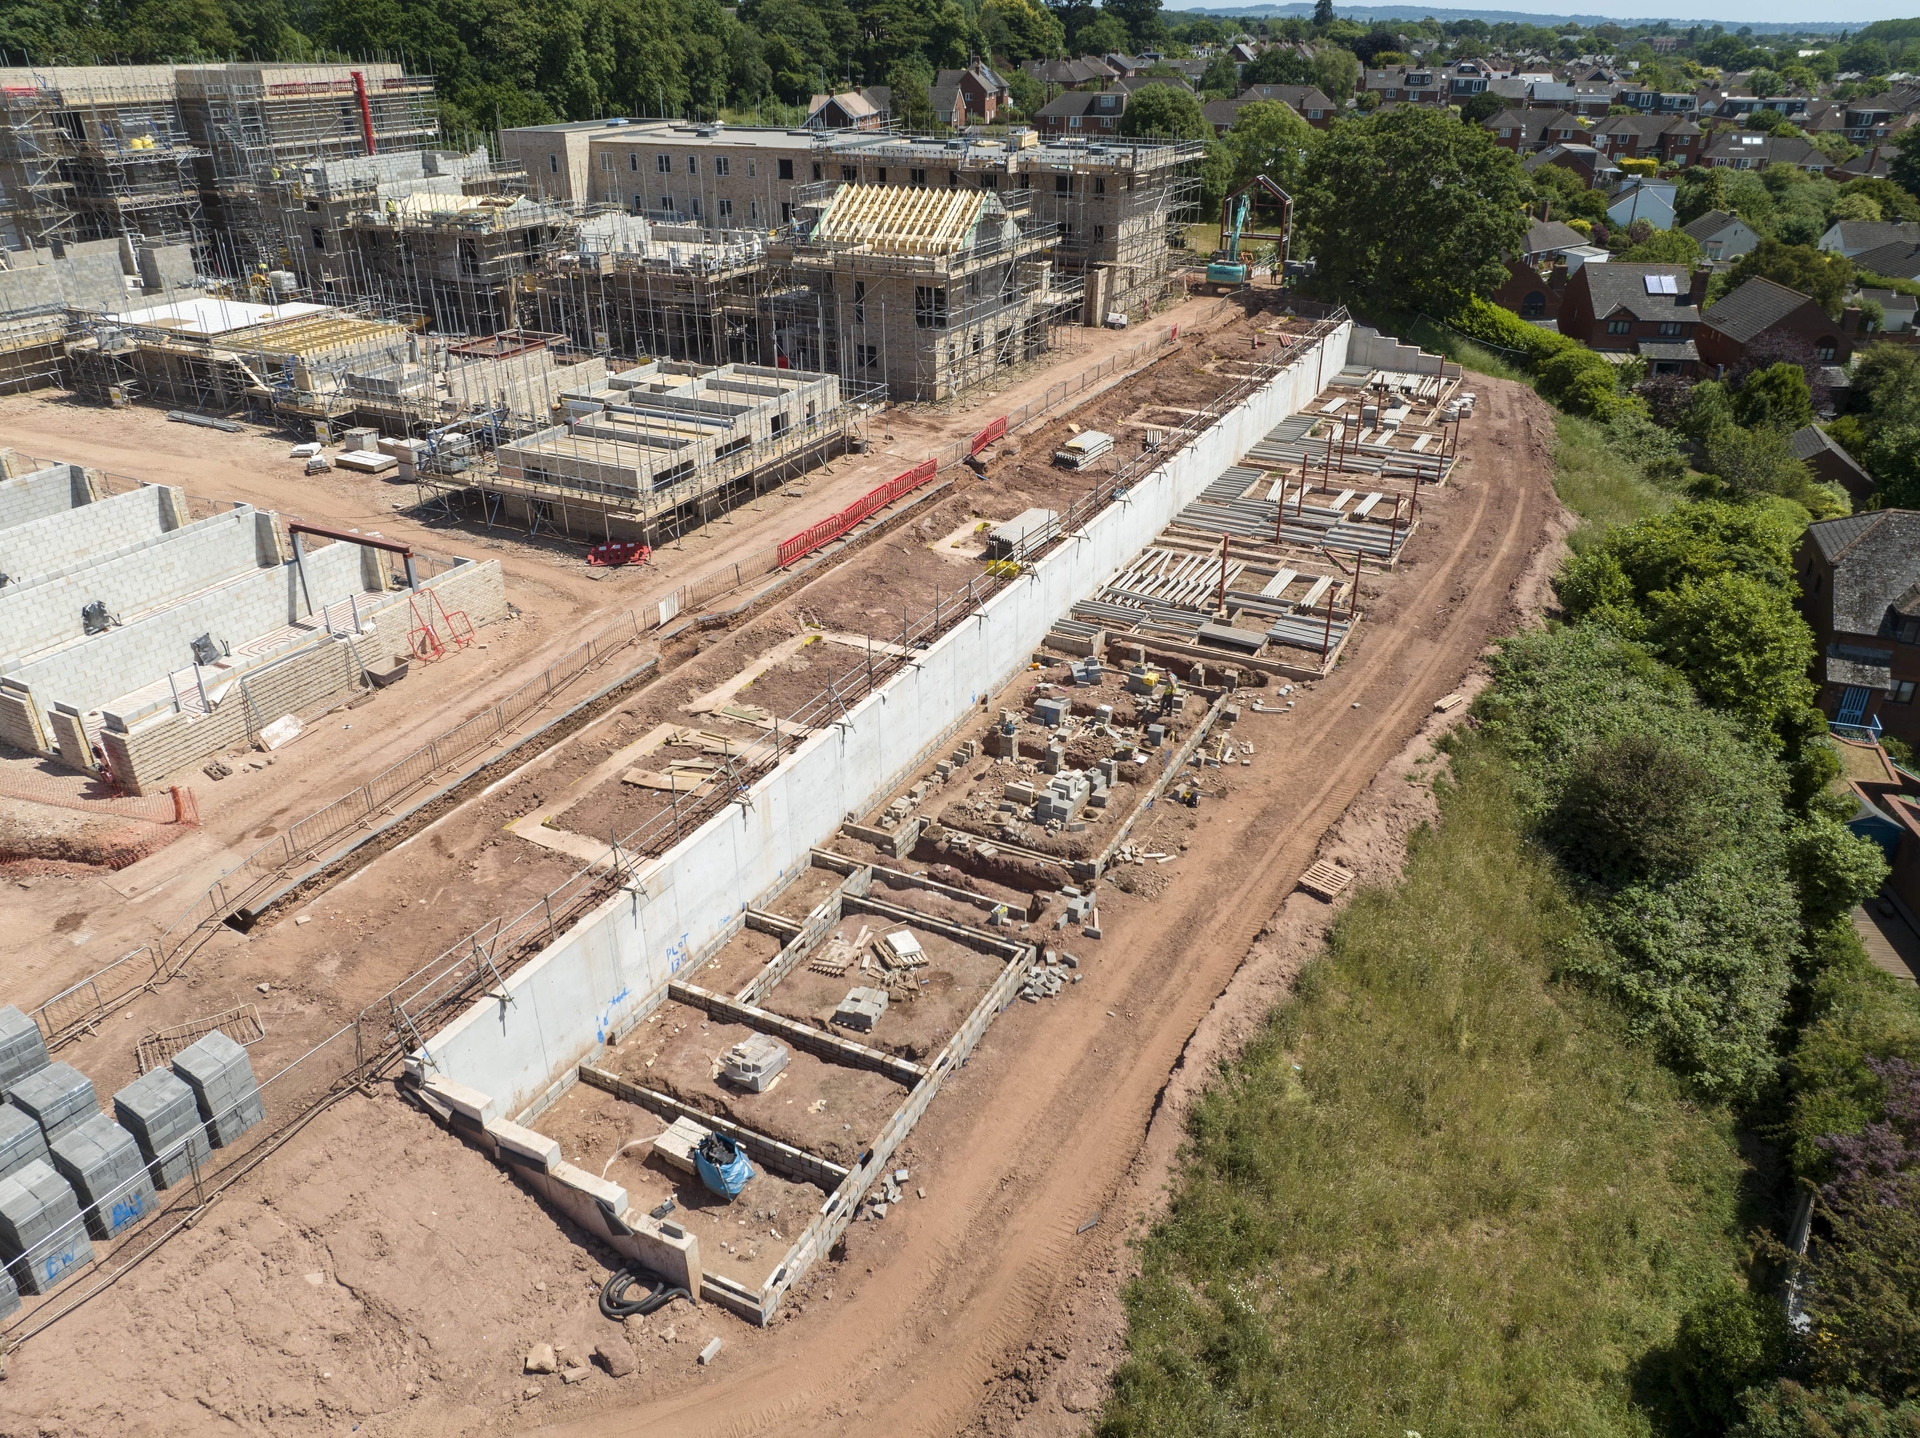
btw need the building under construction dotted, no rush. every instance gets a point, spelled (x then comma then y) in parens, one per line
(663, 446)
(928, 291)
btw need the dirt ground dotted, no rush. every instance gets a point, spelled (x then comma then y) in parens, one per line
(1044, 1127)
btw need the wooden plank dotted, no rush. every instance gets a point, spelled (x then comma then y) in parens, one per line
(1326, 880)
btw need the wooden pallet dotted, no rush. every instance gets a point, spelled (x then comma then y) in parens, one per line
(1326, 880)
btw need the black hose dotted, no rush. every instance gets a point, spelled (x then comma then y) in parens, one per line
(615, 1304)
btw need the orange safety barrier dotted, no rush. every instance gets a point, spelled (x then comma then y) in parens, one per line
(832, 527)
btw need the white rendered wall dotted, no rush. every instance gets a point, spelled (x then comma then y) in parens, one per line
(615, 961)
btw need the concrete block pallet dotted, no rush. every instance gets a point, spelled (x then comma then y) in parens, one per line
(57, 1097)
(221, 1076)
(162, 1114)
(104, 1166)
(21, 1140)
(42, 1240)
(22, 1050)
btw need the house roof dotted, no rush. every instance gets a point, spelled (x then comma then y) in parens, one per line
(1301, 97)
(1872, 234)
(1876, 562)
(1549, 236)
(1765, 149)
(1753, 308)
(1105, 103)
(1900, 261)
(1616, 287)
(1712, 223)
(853, 104)
(1677, 350)
(1889, 299)
(1811, 442)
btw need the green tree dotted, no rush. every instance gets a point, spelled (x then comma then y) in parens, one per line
(1018, 30)
(1219, 80)
(1754, 462)
(911, 82)
(1741, 643)
(1269, 138)
(1480, 108)
(1336, 72)
(1855, 206)
(1893, 457)
(1323, 15)
(1282, 65)
(1408, 208)
(1142, 19)
(1027, 93)
(1786, 1410)
(1729, 1341)
(1821, 274)
(1777, 397)
(1664, 247)
(1163, 110)
(1105, 34)
(1700, 190)
(1894, 202)
(1904, 168)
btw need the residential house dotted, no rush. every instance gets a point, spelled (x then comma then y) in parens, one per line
(1585, 161)
(1405, 85)
(1856, 237)
(1221, 114)
(1873, 164)
(1640, 198)
(1136, 83)
(1860, 593)
(1899, 309)
(1760, 307)
(1663, 44)
(1722, 237)
(1523, 131)
(1897, 261)
(1537, 276)
(1751, 150)
(1652, 311)
(1588, 100)
(1467, 78)
(949, 102)
(1081, 114)
(850, 110)
(1830, 464)
(1125, 66)
(1309, 102)
(980, 86)
(1670, 139)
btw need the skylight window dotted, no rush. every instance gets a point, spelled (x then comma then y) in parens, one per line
(1663, 284)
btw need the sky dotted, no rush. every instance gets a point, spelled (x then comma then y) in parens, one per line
(1731, 13)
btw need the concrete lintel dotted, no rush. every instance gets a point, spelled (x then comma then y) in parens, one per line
(796, 1162)
(802, 1036)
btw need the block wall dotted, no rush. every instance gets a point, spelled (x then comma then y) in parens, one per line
(58, 543)
(303, 680)
(615, 962)
(132, 579)
(41, 493)
(101, 669)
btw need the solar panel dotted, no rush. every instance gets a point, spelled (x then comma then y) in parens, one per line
(1662, 285)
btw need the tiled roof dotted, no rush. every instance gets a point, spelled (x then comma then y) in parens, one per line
(1615, 287)
(1753, 308)
(1876, 560)
(1900, 261)
(1713, 222)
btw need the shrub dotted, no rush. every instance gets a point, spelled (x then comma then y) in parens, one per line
(1580, 382)
(1634, 808)
(1741, 642)
(1728, 1342)
(1786, 1410)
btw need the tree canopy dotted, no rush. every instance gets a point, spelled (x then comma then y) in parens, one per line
(1409, 208)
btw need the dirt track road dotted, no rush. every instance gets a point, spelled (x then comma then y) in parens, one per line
(930, 1322)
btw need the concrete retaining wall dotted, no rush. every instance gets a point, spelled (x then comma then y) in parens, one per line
(42, 492)
(146, 752)
(1377, 351)
(101, 669)
(616, 961)
(161, 567)
(60, 542)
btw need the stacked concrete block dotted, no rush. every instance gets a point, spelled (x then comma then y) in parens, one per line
(22, 1050)
(57, 1097)
(221, 1077)
(163, 1116)
(21, 1141)
(9, 1294)
(108, 1174)
(42, 1239)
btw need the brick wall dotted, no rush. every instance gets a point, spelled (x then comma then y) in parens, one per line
(304, 680)
(132, 579)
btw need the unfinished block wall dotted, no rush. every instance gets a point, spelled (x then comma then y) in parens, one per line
(58, 542)
(136, 578)
(105, 667)
(144, 753)
(39, 493)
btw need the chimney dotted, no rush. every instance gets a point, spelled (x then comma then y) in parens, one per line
(1850, 321)
(1697, 288)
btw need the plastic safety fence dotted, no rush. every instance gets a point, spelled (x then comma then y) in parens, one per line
(831, 528)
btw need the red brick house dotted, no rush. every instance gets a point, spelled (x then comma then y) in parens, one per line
(1084, 114)
(1670, 139)
(1761, 307)
(1525, 130)
(1652, 311)
(1860, 591)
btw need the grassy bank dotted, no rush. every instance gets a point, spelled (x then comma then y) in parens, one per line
(1439, 1193)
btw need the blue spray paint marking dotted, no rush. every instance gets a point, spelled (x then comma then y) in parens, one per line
(127, 1210)
(677, 954)
(606, 1015)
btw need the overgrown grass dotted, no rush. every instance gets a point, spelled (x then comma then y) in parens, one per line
(1597, 483)
(1439, 1193)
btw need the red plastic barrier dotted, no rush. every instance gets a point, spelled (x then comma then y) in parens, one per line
(832, 527)
(996, 430)
(618, 553)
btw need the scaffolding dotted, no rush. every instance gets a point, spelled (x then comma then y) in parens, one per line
(928, 291)
(260, 123)
(98, 153)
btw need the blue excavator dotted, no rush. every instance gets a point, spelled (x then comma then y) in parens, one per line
(1260, 212)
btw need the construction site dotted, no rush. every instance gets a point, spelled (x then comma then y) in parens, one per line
(776, 917)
